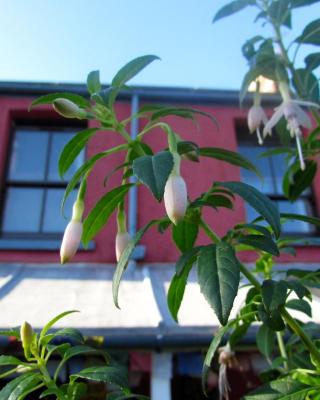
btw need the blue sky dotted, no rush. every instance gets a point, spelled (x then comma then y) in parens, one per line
(61, 41)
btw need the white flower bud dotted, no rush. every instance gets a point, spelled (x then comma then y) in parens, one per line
(122, 240)
(68, 109)
(71, 240)
(175, 198)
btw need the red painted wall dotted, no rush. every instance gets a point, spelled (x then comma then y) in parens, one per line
(199, 177)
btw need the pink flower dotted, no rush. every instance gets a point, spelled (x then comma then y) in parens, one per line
(175, 198)
(71, 241)
(256, 116)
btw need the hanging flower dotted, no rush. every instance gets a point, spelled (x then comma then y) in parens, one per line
(226, 359)
(256, 117)
(296, 117)
(175, 198)
(122, 240)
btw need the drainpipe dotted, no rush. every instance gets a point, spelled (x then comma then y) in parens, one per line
(161, 375)
(139, 251)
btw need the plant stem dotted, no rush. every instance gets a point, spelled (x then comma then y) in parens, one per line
(251, 278)
(282, 349)
(210, 233)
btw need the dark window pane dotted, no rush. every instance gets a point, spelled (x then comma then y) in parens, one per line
(28, 156)
(301, 207)
(279, 167)
(263, 164)
(53, 221)
(22, 212)
(58, 141)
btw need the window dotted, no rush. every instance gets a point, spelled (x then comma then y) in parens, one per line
(273, 169)
(33, 189)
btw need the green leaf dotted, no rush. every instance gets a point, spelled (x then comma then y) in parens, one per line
(76, 390)
(219, 276)
(296, 181)
(218, 336)
(261, 203)
(297, 217)
(78, 351)
(299, 289)
(188, 149)
(312, 61)
(280, 12)
(9, 360)
(255, 228)
(266, 340)
(53, 391)
(181, 112)
(187, 258)
(18, 386)
(185, 233)
(136, 149)
(306, 84)
(281, 389)
(264, 243)
(93, 82)
(109, 374)
(131, 69)
(311, 33)
(154, 171)
(60, 348)
(231, 8)
(274, 294)
(248, 49)
(214, 201)
(125, 258)
(229, 157)
(300, 305)
(272, 319)
(176, 290)
(71, 333)
(282, 150)
(54, 320)
(50, 98)
(73, 148)
(102, 211)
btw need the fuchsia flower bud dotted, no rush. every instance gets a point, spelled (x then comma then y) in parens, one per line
(122, 240)
(26, 333)
(68, 109)
(73, 233)
(175, 198)
(71, 241)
